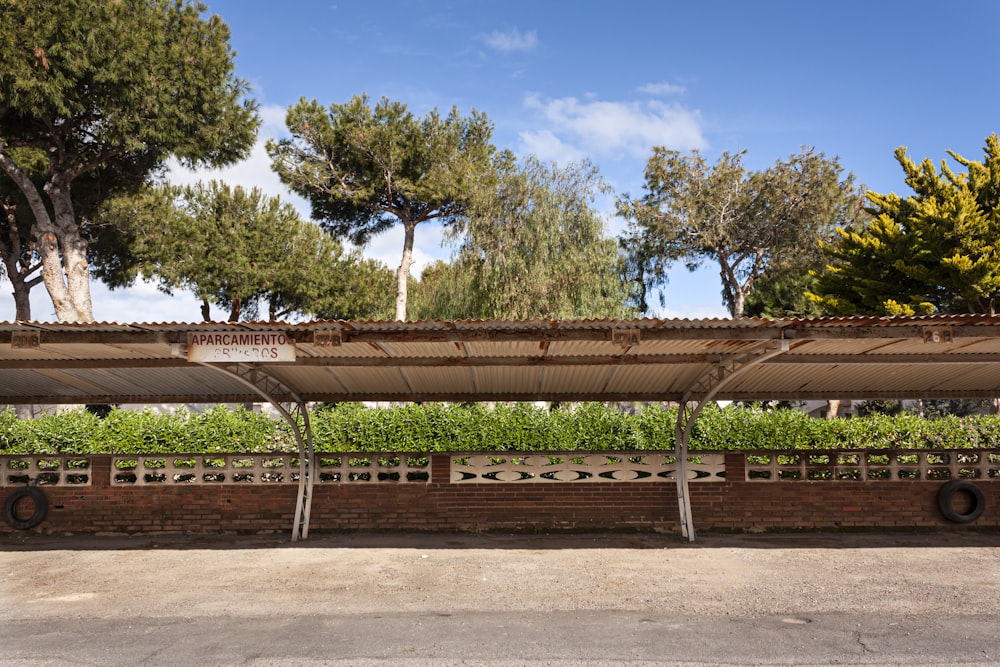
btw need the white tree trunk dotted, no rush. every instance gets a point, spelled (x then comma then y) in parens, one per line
(52, 275)
(739, 301)
(75, 269)
(61, 247)
(403, 272)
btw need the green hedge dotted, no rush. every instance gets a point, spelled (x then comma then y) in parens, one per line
(455, 428)
(128, 432)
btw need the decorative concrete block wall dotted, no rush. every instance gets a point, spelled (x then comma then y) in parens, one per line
(589, 491)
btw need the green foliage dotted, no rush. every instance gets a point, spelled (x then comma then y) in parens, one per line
(444, 291)
(129, 432)
(352, 427)
(958, 407)
(936, 250)
(781, 291)
(753, 428)
(436, 427)
(879, 407)
(655, 428)
(77, 432)
(533, 247)
(518, 427)
(743, 221)
(109, 78)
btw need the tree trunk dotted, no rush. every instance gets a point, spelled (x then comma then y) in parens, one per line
(60, 246)
(206, 311)
(46, 239)
(52, 275)
(403, 272)
(739, 302)
(74, 268)
(22, 301)
(14, 256)
(21, 286)
(77, 270)
(833, 408)
(728, 274)
(234, 310)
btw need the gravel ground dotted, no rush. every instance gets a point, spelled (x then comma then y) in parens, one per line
(718, 577)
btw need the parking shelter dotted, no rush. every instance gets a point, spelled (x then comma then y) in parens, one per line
(684, 361)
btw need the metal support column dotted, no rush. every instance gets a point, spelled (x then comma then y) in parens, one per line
(293, 410)
(695, 399)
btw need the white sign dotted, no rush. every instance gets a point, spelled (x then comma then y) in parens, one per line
(240, 347)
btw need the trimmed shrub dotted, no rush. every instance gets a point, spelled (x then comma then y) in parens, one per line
(352, 427)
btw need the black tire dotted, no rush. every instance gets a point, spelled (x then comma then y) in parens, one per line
(10, 508)
(947, 495)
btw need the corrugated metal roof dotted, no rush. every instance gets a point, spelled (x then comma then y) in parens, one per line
(642, 359)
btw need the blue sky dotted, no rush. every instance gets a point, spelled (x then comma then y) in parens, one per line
(607, 81)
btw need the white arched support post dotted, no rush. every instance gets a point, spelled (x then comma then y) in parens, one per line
(293, 410)
(695, 399)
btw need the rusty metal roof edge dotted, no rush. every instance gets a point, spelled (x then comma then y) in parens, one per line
(503, 324)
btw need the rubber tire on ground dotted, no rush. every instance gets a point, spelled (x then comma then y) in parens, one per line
(947, 495)
(10, 505)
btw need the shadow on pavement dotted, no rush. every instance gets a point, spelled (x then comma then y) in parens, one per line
(29, 541)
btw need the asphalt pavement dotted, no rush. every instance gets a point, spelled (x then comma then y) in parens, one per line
(497, 600)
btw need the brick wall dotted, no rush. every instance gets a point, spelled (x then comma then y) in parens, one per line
(734, 505)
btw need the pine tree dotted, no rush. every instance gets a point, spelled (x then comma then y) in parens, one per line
(368, 168)
(937, 250)
(94, 83)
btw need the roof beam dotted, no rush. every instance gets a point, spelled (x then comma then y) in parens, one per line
(611, 360)
(428, 397)
(970, 326)
(888, 330)
(887, 359)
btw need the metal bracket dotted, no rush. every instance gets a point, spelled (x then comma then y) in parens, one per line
(704, 389)
(293, 410)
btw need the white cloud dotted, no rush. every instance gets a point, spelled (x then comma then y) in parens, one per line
(273, 120)
(512, 40)
(618, 129)
(662, 88)
(142, 302)
(546, 146)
